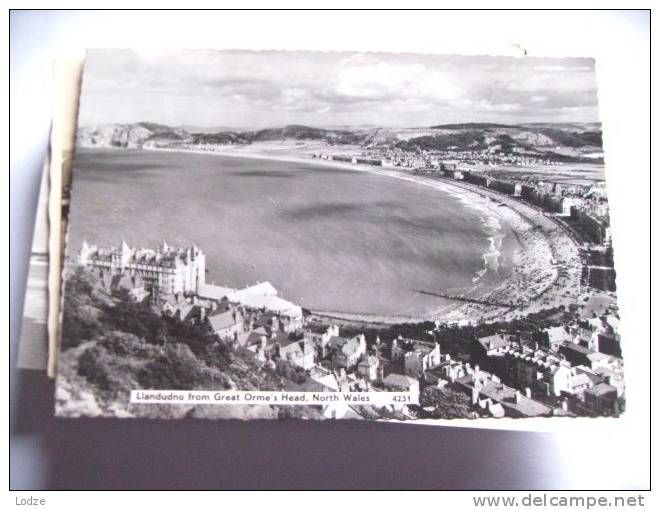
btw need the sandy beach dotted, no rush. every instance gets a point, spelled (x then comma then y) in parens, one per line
(545, 259)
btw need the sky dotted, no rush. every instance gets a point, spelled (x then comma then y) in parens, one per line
(250, 90)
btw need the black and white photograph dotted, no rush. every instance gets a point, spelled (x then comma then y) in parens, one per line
(348, 225)
(340, 250)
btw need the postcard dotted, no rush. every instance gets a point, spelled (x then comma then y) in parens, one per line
(39, 340)
(269, 234)
(33, 342)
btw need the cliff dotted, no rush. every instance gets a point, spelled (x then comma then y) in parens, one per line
(128, 136)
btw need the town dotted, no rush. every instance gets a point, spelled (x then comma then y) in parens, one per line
(582, 199)
(578, 205)
(573, 369)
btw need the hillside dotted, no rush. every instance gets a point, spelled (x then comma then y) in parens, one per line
(145, 135)
(465, 140)
(559, 142)
(570, 140)
(111, 346)
(307, 133)
(470, 125)
(128, 136)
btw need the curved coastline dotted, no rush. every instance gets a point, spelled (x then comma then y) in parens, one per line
(544, 260)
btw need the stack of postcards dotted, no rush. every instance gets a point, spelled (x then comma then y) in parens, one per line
(238, 234)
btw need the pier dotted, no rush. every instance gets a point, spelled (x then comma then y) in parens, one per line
(485, 302)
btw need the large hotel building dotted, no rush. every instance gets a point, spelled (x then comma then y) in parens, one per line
(168, 270)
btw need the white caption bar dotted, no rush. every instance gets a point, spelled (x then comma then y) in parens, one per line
(301, 398)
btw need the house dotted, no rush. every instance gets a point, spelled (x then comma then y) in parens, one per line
(612, 321)
(480, 385)
(227, 325)
(291, 323)
(368, 367)
(599, 324)
(422, 357)
(551, 338)
(448, 370)
(297, 352)
(489, 351)
(188, 312)
(608, 343)
(400, 382)
(169, 304)
(417, 356)
(268, 320)
(612, 376)
(350, 382)
(257, 336)
(346, 352)
(321, 339)
(580, 355)
(534, 368)
(492, 344)
(579, 382)
(602, 399)
(256, 343)
(601, 334)
(538, 369)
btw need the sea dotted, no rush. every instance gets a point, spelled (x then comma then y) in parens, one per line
(329, 239)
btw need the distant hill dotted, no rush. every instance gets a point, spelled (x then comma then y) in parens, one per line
(222, 138)
(573, 138)
(128, 136)
(570, 140)
(470, 125)
(528, 137)
(145, 134)
(211, 129)
(472, 140)
(296, 132)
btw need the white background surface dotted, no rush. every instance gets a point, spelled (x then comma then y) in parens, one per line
(596, 453)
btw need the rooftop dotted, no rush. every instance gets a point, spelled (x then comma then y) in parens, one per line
(214, 292)
(268, 302)
(223, 320)
(506, 396)
(494, 341)
(399, 380)
(603, 390)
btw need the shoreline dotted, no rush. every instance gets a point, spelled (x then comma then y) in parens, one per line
(542, 249)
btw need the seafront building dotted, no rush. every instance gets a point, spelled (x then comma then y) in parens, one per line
(584, 206)
(165, 270)
(168, 271)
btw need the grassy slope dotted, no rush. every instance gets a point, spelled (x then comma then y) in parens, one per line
(111, 346)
